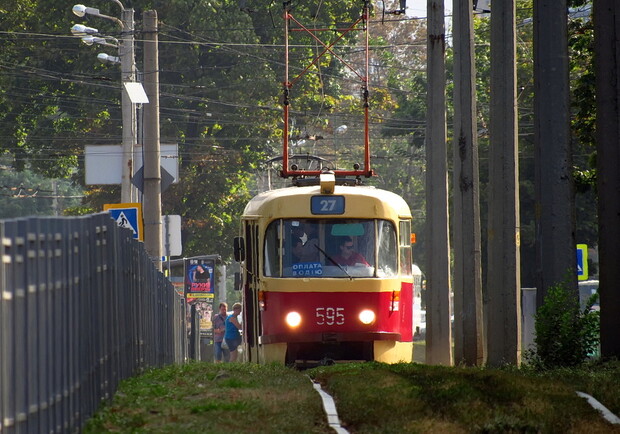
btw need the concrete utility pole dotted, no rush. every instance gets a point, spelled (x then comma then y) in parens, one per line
(468, 323)
(151, 146)
(126, 57)
(555, 203)
(438, 331)
(607, 50)
(128, 74)
(503, 310)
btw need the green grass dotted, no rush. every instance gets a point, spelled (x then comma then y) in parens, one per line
(370, 398)
(210, 398)
(378, 398)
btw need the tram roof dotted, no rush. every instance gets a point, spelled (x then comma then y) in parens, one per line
(362, 202)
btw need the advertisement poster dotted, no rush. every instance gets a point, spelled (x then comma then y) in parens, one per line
(205, 310)
(200, 290)
(199, 279)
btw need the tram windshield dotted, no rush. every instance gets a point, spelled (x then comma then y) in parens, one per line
(331, 248)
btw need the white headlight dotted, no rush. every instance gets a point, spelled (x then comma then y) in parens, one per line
(367, 316)
(293, 319)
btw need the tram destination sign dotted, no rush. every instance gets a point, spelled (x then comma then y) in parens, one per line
(327, 204)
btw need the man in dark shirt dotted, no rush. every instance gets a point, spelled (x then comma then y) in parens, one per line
(219, 328)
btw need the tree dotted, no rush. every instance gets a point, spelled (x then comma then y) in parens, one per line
(220, 73)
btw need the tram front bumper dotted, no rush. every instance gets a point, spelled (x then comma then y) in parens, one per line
(329, 337)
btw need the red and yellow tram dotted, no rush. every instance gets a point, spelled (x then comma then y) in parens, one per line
(304, 303)
(326, 263)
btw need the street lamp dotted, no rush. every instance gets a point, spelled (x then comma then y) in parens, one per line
(80, 30)
(103, 58)
(81, 10)
(90, 40)
(126, 57)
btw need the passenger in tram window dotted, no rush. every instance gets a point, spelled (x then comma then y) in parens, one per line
(297, 249)
(297, 230)
(347, 255)
(310, 251)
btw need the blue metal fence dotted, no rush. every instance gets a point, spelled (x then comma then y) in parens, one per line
(82, 308)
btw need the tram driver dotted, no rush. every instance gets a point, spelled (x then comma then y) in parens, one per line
(347, 255)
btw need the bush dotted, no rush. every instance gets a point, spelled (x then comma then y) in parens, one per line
(566, 336)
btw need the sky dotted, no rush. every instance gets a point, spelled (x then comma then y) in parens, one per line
(417, 8)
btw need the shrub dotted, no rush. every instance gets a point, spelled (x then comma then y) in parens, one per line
(566, 336)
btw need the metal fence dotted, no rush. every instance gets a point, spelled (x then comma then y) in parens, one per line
(82, 308)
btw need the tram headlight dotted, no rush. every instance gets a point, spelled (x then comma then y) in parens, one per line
(367, 316)
(293, 319)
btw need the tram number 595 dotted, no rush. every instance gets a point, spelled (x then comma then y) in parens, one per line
(329, 316)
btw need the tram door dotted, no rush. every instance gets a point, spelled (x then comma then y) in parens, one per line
(251, 317)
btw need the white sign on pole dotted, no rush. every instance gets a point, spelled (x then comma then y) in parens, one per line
(171, 235)
(104, 163)
(136, 93)
(168, 159)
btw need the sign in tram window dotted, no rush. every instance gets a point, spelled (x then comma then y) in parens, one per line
(327, 204)
(307, 269)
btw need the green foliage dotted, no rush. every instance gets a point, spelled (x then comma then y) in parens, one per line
(221, 68)
(26, 193)
(565, 335)
(220, 82)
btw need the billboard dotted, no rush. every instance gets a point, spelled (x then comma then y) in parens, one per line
(199, 278)
(200, 290)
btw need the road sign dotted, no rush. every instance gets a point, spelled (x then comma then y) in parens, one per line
(104, 163)
(171, 235)
(127, 215)
(166, 179)
(582, 262)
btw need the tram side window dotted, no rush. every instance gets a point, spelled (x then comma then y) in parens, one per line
(272, 250)
(406, 258)
(387, 260)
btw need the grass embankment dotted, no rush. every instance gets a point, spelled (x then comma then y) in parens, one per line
(370, 397)
(208, 398)
(432, 399)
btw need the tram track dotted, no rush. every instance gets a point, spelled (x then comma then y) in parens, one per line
(329, 405)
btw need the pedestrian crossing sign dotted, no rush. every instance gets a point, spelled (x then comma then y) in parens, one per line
(127, 215)
(582, 262)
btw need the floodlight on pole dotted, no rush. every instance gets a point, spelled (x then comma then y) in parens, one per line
(90, 40)
(126, 58)
(81, 11)
(341, 129)
(81, 30)
(106, 58)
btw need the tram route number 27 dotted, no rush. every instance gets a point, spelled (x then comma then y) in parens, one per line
(329, 316)
(327, 204)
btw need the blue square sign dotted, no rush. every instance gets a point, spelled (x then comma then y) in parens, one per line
(127, 215)
(582, 262)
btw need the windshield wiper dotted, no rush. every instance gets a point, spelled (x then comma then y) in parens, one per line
(333, 262)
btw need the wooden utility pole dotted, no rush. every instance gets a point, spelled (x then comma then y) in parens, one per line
(468, 322)
(503, 309)
(152, 169)
(438, 333)
(555, 209)
(607, 50)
